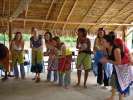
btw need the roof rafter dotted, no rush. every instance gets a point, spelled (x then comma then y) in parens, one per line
(21, 7)
(67, 22)
(60, 12)
(106, 10)
(87, 13)
(119, 12)
(74, 5)
(3, 11)
(48, 13)
(126, 19)
(25, 15)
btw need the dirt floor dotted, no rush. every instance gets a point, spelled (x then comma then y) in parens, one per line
(29, 90)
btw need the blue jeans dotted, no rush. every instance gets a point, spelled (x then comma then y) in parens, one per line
(64, 78)
(22, 71)
(49, 75)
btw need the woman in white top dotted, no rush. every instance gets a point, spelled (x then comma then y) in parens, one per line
(17, 47)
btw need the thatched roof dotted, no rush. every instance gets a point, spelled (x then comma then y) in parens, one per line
(66, 14)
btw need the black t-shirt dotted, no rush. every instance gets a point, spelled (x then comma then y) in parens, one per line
(3, 51)
(112, 56)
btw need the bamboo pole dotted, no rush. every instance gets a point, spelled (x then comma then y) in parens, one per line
(124, 32)
(72, 23)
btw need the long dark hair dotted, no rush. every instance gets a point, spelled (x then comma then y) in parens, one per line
(109, 38)
(112, 34)
(50, 34)
(83, 31)
(15, 37)
(101, 29)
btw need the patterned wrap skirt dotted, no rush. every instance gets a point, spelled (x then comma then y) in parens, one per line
(37, 60)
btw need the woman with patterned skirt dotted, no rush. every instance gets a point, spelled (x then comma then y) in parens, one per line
(121, 78)
(36, 44)
(17, 47)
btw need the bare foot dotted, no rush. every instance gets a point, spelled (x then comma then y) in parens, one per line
(85, 86)
(4, 79)
(77, 85)
(37, 80)
(104, 87)
(66, 87)
(109, 98)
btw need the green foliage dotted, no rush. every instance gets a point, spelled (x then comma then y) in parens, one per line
(69, 41)
(3, 37)
(26, 37)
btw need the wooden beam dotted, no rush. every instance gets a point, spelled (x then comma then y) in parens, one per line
(119, 12)
(21, 8)
(10, 30)
(71, 23)
(87, 13)
(76, 1)
(26, 12)
(124, 33)
(9, 8)
(48, 13)
(106, 10)
(129, 15)
(64, 3)
(3, 11)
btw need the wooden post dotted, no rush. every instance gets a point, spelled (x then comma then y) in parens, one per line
(10, 31)
(10, 38)
(124, 32)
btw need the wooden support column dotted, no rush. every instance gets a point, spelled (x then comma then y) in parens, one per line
(124, 33)
(10, 31)
(10, 38)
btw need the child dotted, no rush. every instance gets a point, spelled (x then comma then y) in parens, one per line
(53, 59)
(64, 66)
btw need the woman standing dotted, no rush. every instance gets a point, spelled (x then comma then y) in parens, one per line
(121, 76)
(36, 44)
(17, 47)
(84, 55)
(99, 53)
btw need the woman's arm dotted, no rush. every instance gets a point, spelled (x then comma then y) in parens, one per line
(89, 43)
(22, 45)
(31, 43)
(77, 44)
(11, 45)
(41, 47)
(117, 55)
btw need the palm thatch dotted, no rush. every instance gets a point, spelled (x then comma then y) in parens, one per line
(66, 15)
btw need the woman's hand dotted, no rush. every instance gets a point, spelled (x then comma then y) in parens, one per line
(104, 60)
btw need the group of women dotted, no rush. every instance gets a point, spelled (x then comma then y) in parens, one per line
(111, 59)
(113, 62)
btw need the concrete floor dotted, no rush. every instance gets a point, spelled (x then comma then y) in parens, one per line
(29, 90)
